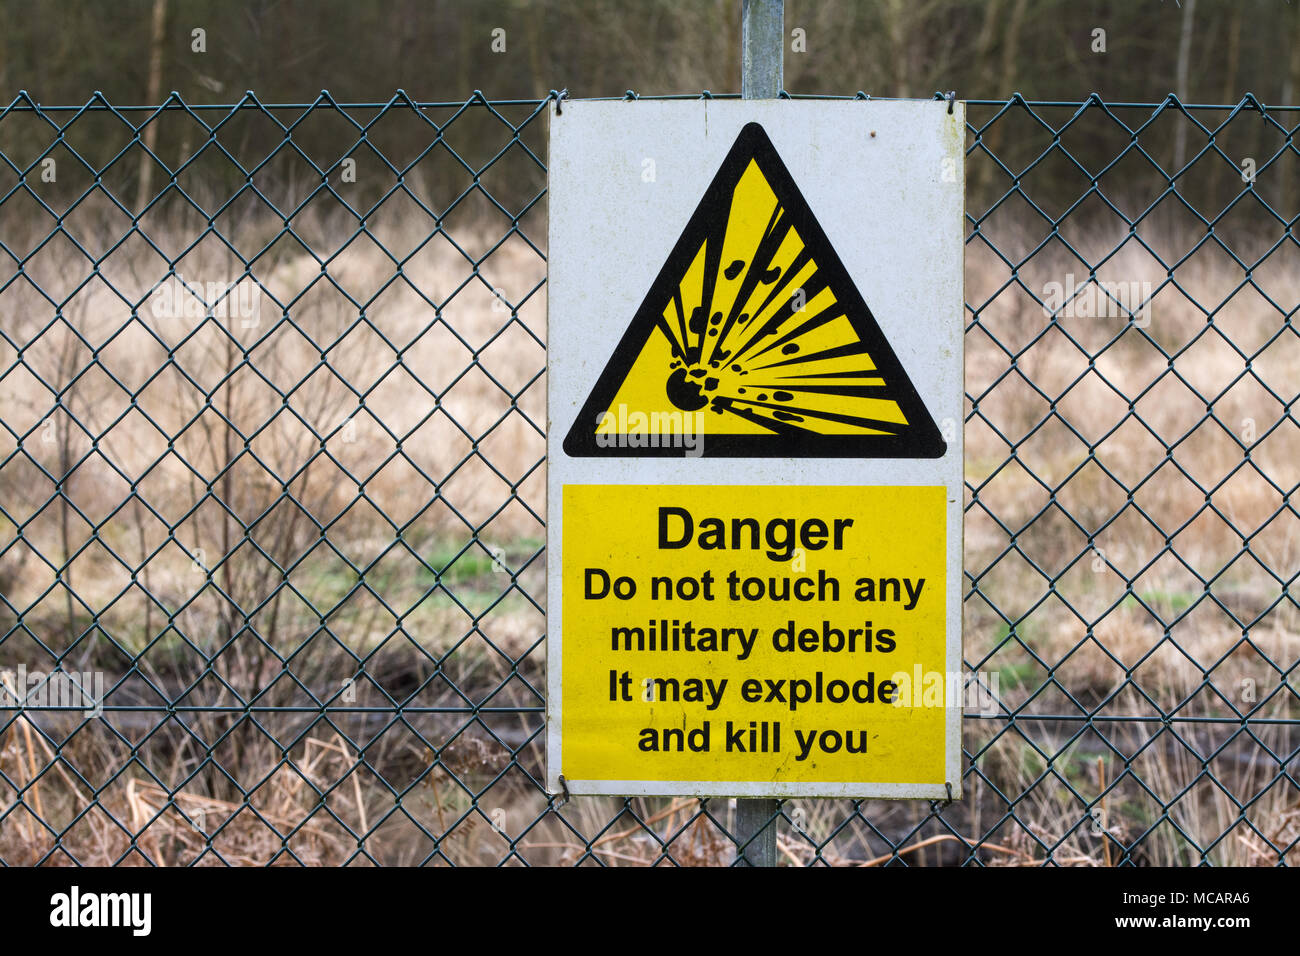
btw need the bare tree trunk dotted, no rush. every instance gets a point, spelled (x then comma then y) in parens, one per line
(536, 40)
(1289, 88)
(152, 97)
(1181, 83)
(984, 44)
(731, 16)
(63, 435)
(895, 10)
(464, 56)
(1010, 49)
(994, 139)
(227, 495)
(1230, 92)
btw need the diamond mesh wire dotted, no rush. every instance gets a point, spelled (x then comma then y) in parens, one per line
(272, 486)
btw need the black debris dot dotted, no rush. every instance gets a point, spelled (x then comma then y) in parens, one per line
(762, 397)
(684, 393)
(717, 317)
(710, 384)
(787, 416)
(741, 391)
(713, 331)
(735, 368)
(789, 349)
(734, 269)
(698, 373)
(696, 324)
(782, 396)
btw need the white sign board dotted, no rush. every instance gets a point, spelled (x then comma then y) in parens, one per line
(755, 454)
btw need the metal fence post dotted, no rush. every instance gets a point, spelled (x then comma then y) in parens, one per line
(762, 42)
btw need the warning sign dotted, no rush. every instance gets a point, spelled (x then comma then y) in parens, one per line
(754, 470)
(753, 320)
(713, 635)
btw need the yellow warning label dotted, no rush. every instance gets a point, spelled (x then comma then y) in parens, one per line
(754, 634)
(754, 334)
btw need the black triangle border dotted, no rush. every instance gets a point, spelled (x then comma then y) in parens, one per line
(922, 438)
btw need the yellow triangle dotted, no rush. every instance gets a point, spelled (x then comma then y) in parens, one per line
(754, 332)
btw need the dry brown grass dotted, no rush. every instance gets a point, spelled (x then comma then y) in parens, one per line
(1142, 549)
(1102, 591)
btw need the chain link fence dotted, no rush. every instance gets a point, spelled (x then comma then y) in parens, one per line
(272, 453)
